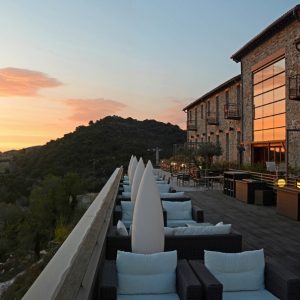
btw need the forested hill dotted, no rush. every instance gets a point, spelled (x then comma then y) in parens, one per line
(97, 149)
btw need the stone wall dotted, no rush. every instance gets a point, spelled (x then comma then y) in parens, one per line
(232, 127)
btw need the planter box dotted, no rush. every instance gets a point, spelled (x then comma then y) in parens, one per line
(288, 202)
(245, 189)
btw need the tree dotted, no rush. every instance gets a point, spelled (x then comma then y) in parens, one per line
(204, 154)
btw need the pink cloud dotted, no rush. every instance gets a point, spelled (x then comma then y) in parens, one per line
(174, 114)
(84, 110)
(22, 82)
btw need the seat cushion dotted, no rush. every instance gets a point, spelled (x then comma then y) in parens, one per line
(146, 273)
(179, 223)
(127, 210)
(178, 210)
(249, 295)
(242, 271)
(149, 297)
(203, 230)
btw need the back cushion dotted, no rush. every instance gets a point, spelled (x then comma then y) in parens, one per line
(146, 273)
(127, 188)
(127, 210)
(237, 271)
(172, 195)
(163, 188)
(178, 210)
(202, 230)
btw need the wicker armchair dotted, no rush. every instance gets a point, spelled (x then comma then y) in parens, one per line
(187, 285)
(278, 281)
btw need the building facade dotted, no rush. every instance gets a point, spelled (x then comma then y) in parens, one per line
(269, 102)
(215, 117)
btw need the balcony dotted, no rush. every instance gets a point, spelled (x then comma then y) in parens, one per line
(231, 111)
(212, 118)
(192, 125)
(294, 87)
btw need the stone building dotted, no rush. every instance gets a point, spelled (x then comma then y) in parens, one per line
(215, 117)
(270, 97)
(270, 63)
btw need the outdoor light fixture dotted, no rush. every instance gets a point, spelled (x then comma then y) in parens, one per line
(280, 182)
(297, 44)
(298, 183)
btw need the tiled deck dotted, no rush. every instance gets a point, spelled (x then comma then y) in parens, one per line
(260, 226)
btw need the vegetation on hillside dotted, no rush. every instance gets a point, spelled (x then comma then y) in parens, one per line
(38, 204)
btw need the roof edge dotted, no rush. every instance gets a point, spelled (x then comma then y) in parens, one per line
(277, 25)
(225, 84)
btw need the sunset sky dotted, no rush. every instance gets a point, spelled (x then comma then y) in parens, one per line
(66, 62)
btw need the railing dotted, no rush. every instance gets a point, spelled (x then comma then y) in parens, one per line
(212, 118)
(192, 125)
(72, 272)
(270, 179)
(231, 111)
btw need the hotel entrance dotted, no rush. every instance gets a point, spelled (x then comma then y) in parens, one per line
(268, 152)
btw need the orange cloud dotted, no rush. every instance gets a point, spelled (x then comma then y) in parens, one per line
(84, 110)
(174, 114)
(22, 82)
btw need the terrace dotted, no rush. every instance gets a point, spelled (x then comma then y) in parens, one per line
(75, 270)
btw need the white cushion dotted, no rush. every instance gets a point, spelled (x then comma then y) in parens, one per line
(163, 188)
(249, 295)
(203, 230)
(149, 297)
(178, 210)
(127, 210)
(126, 194)
(179, 223)
(127, 188)
(121, 229)
(199, 224)
(146, 273)
(220, 223)
(172, 195)
(126, 182)
(242, 271)
(126, 178)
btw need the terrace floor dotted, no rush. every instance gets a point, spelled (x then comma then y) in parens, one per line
(260, 226)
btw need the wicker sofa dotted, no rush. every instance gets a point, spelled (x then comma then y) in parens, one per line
(187, 246)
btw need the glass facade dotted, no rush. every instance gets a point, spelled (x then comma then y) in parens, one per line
(269, 102)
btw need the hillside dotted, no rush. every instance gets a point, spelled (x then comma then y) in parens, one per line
(97, 149)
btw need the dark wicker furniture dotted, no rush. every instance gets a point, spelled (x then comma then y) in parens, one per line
(278, 281)
(187, 246)
(197, 215)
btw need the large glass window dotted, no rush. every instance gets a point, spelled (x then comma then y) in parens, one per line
(269, 102)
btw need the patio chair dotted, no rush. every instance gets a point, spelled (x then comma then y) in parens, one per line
(144, 277)
(267, 280)
(181, 213)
